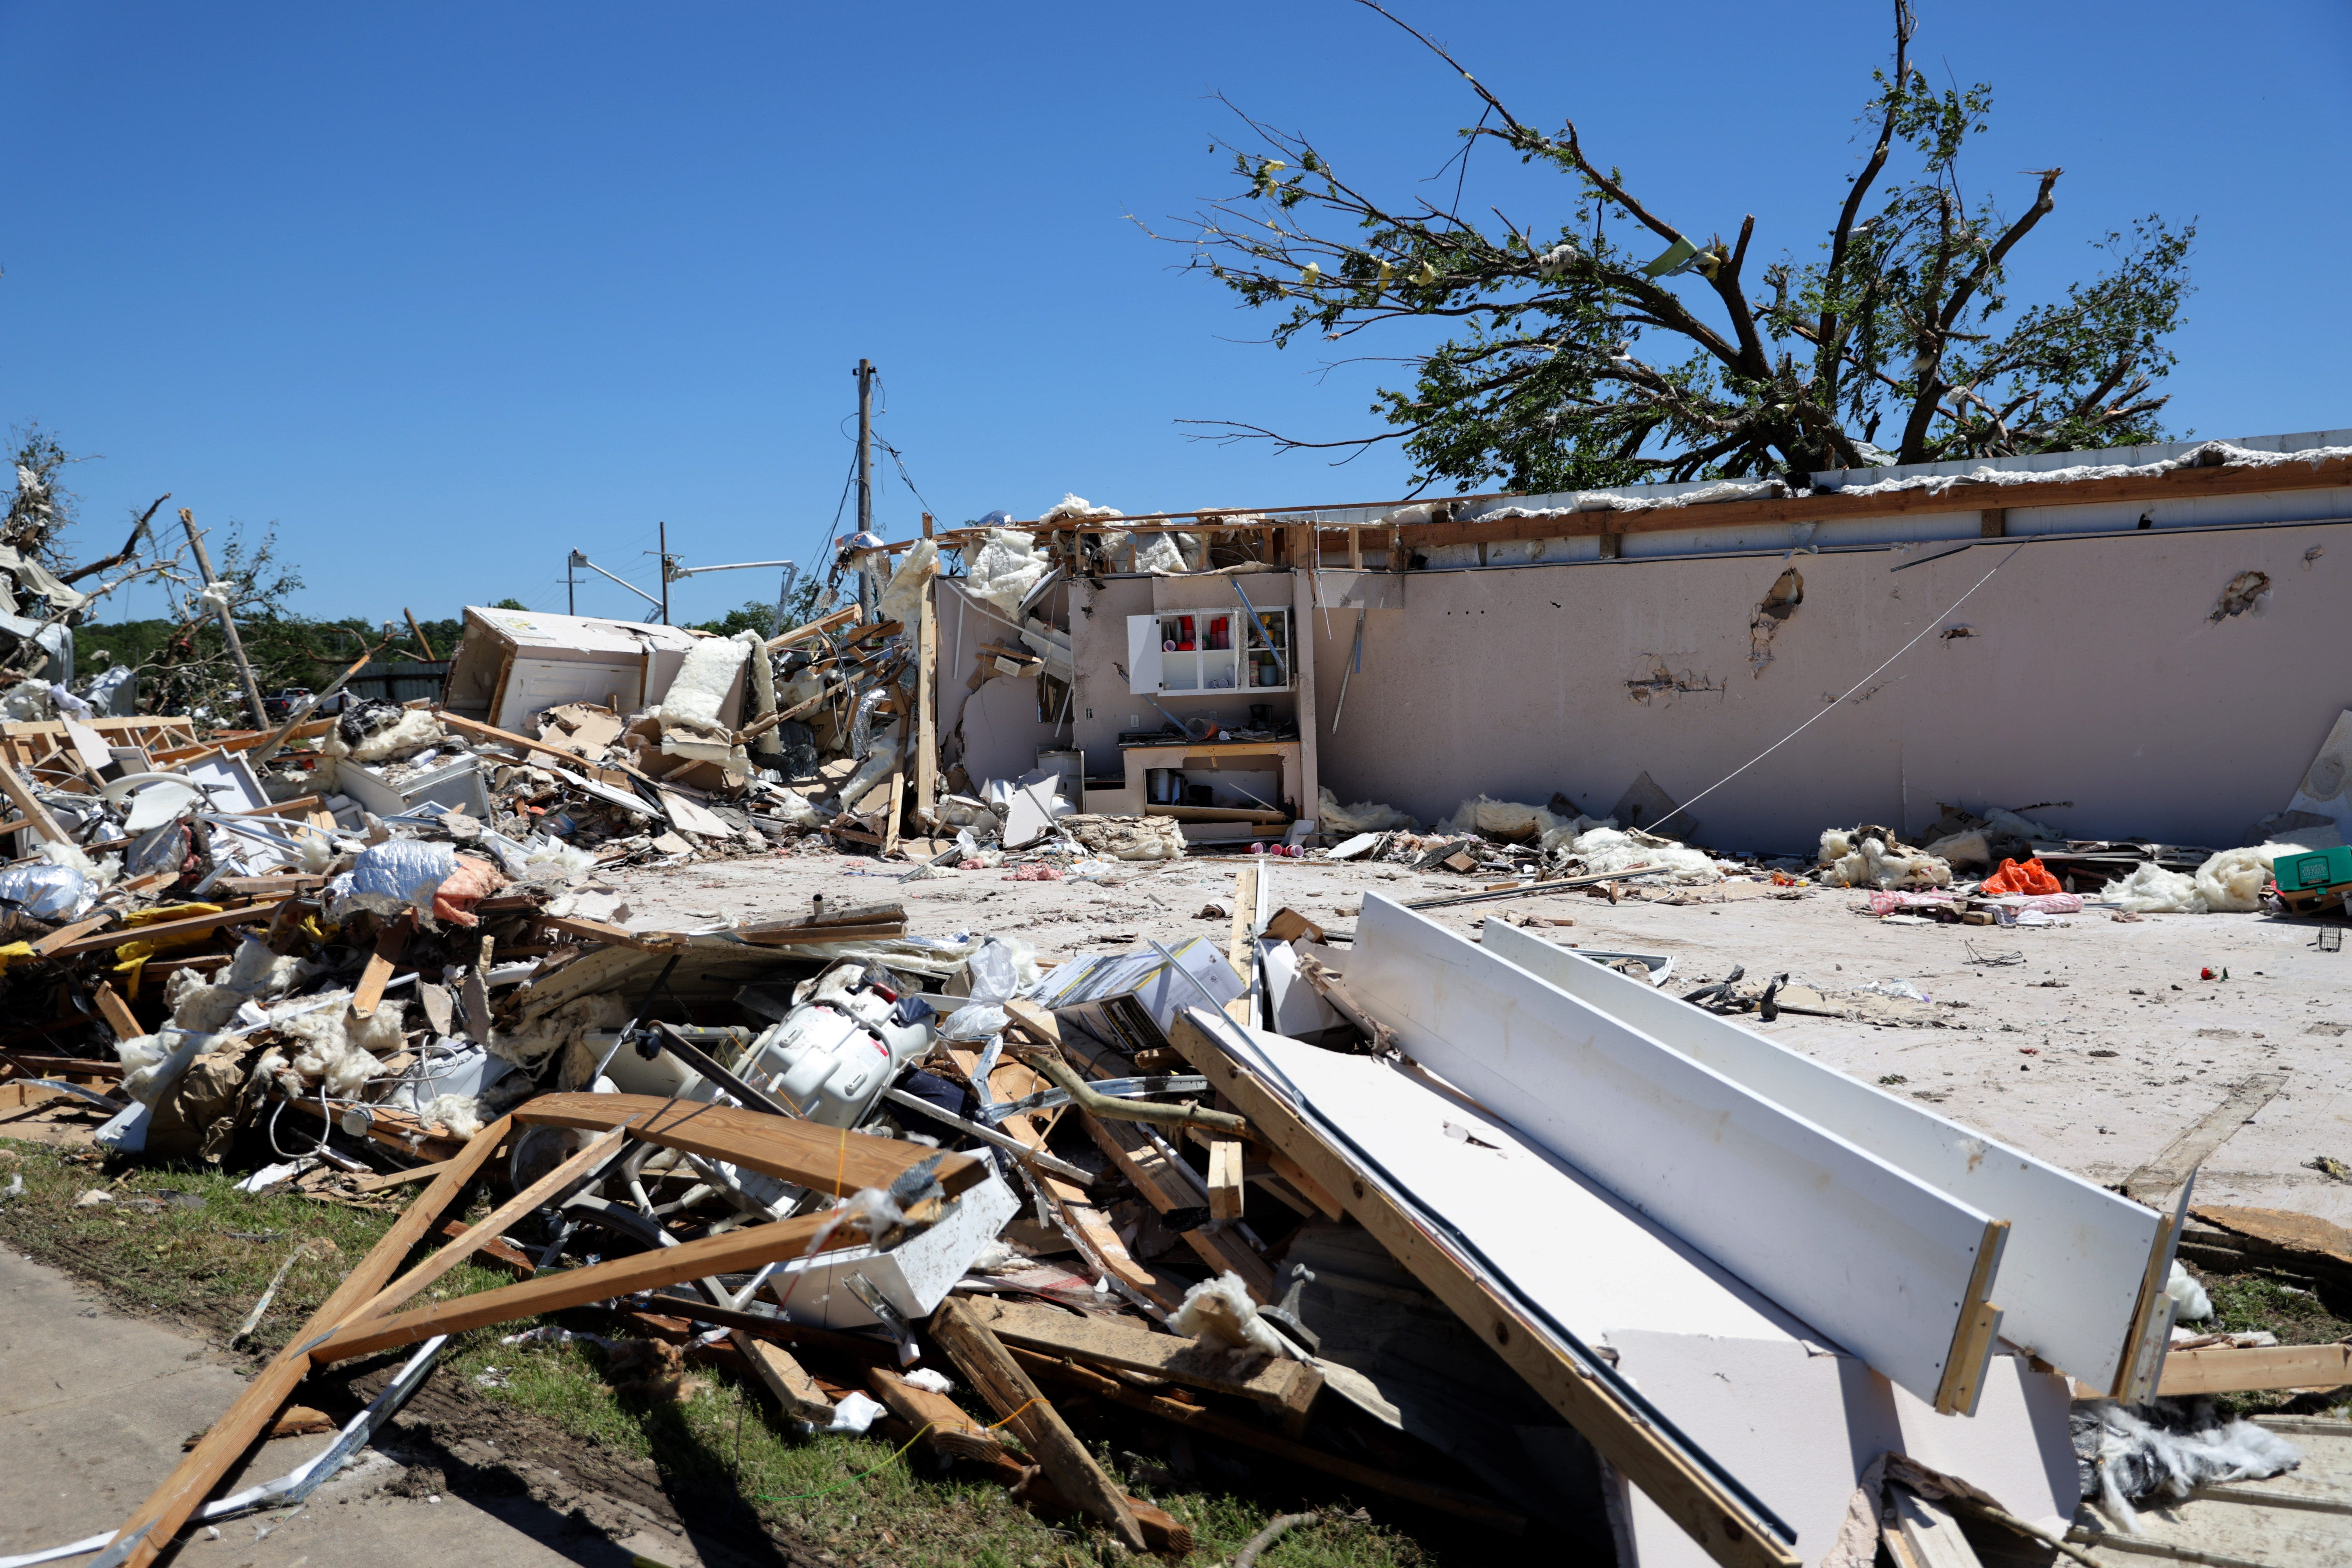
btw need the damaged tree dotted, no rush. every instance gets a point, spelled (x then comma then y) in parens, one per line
(1584, 364)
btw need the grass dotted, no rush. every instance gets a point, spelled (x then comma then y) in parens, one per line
(2252, 1303)
(203, 1264)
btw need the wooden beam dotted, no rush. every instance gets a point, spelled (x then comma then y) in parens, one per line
(20, 794)
(2172, 1165)
(61, 1067)
(2223, 1370)
(1287, 1387)
(948, 1429)
(190, 925)
(158, 1519)
(492, 1226)
(1241, 945)
(1247, 1434)
(823, 624)
(990, 1368)
(66, 936)
(1718, 1521)
(729, 1252)
(824, 1159)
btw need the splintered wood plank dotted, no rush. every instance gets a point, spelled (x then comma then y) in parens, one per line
(490, 1228)
(20, 794)
(729, 1252)
(1242, 940)
(990, 1368)
(2162, 1176)
(821, 1158)
(785, 1377)
(157, 1520)
(1288, 1387)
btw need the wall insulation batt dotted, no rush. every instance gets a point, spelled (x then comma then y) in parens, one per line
(1889, 1267)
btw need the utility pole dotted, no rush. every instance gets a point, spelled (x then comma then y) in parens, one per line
(665, 571)
(571, 583)
(865, 478)
(227, 621)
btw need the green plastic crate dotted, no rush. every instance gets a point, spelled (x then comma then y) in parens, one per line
(2312, 870)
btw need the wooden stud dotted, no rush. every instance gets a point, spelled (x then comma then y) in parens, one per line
(490, 1228)
(1355, 548)
(116, 1012)
(1993, 523)
(729, 1252)
(1972, 1336)
(2226, 1370)
(1225, 1185)
(20, 794)
(158, 1519)
(824, 1159)
(384, 1180)
(927, 703)
(1241, 942)
(1287, 1387)
(990, 1368)
(192, 925)
(389, 942)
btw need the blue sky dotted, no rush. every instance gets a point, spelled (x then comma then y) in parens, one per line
(445, 291)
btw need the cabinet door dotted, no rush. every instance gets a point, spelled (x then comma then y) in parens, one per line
(1143, 654)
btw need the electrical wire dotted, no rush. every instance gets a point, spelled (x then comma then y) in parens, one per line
(1830, 707)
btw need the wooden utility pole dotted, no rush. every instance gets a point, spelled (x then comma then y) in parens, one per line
(665, 571)
(865, 478)
(227, 621)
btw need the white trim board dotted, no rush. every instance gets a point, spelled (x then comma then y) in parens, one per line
(2070, 1276)
(1872, 1257)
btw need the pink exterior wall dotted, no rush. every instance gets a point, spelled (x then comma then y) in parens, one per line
(2094, 675)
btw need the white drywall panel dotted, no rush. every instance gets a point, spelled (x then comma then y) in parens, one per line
(1799, 1428)
(2069, 1273)
(1867, 1253)
(1593, 1262)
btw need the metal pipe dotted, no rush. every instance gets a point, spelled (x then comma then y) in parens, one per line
(1104, 1107)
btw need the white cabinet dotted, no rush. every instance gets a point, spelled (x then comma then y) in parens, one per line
(1187, 652)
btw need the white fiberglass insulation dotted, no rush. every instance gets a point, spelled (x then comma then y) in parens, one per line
(1871, 864)
(902, 598)
(337, 1049)
(1605, 848)
(707, 674)
(1364, 817)
(1004, 568)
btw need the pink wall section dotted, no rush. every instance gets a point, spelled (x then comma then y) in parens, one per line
(2094, 675)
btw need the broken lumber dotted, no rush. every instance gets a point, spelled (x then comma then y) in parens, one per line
(151, 1528)
(2226, 1370)
(990, 1368)
(785, 1377)
(824, 1159)
(1287, 1387)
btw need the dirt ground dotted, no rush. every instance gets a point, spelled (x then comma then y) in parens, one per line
(2094, 1052)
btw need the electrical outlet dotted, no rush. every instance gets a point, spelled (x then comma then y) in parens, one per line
(1090, 713)
(1134, 721)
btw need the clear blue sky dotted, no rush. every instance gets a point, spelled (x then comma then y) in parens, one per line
(444, 290)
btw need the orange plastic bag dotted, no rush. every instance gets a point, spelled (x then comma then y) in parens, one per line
(2032, 876)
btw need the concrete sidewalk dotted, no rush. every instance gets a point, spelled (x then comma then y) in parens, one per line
(93, 1409)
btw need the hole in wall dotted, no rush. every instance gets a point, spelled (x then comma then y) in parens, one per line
(1780, 601)
(2245, 591)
